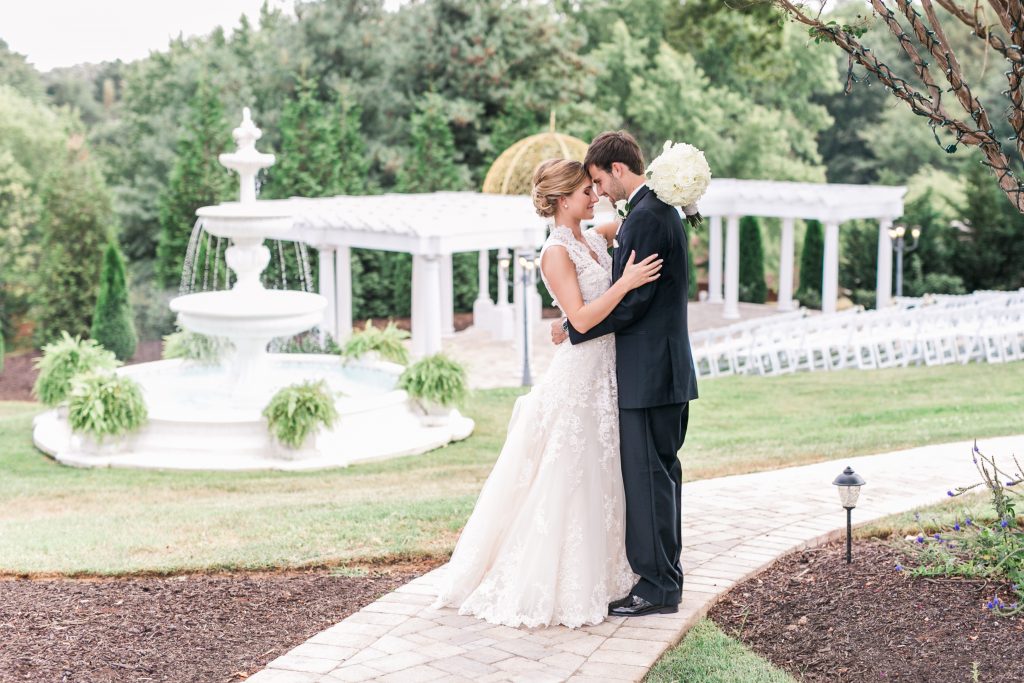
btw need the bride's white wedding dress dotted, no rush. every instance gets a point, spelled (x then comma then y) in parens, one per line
(545, 544)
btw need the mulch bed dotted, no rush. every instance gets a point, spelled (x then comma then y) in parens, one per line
(822, 620)
(208, 628)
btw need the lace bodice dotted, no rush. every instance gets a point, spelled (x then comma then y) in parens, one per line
(594, 276)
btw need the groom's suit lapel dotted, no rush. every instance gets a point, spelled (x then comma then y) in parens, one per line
(621, 254)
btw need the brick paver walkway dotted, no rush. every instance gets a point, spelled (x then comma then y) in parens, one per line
(733, 527)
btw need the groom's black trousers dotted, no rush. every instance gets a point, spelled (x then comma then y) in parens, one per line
(650, 439)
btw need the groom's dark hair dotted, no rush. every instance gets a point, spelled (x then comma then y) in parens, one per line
(612, 146)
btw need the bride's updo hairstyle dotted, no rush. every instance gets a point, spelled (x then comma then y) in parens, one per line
(554, 179)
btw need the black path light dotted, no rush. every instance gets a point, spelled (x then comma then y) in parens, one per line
(849, 483)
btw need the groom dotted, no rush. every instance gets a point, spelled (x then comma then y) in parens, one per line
(655, 372)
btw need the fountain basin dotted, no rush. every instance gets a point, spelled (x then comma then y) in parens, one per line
(196, 422)
(261, 313)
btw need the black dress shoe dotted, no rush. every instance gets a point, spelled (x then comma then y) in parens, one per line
(638, 607)
(620, 602)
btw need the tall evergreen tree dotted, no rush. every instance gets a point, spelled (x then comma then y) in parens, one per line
(353, 164)
(811, 259)
(309, 164)
(112, 323)
(197, 179)
(431, 166)
(990, 254)
(752, 286)
(77, 214)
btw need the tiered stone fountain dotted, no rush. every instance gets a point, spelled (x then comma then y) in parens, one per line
(210, 417)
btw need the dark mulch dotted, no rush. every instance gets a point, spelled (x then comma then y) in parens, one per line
(208, 628)
(822, 620)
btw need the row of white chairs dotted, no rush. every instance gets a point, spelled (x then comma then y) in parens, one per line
(931, 330)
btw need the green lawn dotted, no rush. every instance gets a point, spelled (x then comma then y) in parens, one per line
(63, 520)
(708, 655)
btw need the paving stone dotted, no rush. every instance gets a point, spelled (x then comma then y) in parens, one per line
(363, 656)
(282, 676)
(440, 650)
(395, 644)
(581, 646)
(397, 662)
(343, 639)
(297, 662)
(350, 673)
(658, 634)
(377, 619)
(613, 672)
(564, 660)
(487, 655)
(407, 598)
(399, 608)
(464, 666)
(620, 657)
(520, 665)
(632, 645)
(324, 651)
(416, 674)
(413, 625)
(523, 647)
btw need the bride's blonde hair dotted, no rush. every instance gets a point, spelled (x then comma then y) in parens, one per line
(554, 179)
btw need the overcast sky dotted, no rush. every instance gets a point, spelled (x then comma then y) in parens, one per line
(54, 33)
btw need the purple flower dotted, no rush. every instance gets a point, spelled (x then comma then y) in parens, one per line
(968, 521)
(989, 605)
(1004, 523)
(938, 537)
(920, 539)
(949, 493)
(1011, 483)
(956, 527)
(899, 567)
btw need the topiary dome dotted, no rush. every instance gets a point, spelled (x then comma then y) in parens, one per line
(512, 172)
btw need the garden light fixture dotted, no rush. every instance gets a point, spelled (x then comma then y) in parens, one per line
(849, 483)
(527, 262)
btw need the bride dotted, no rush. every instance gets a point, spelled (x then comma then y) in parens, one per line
(545, 543)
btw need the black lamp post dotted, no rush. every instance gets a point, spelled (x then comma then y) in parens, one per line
(849, 483)
(897, 234)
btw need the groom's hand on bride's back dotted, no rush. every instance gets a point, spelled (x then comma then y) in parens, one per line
(558, 333)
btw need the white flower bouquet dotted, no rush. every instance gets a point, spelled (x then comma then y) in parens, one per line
(679, 176)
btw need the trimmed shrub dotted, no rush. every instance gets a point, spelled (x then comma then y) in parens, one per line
(112, 324)
(811, 259)
(752, 286)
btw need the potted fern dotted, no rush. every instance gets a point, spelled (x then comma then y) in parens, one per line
(295, 417)
(374, 344)
(197, 348)
(61, 361)
(102, 404)
(437, 383)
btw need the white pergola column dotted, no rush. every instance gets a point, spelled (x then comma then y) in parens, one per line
(830, 268)
(343, 293)
(426, 305)
(732, 268)
(786, 267)
(883, 289)
(483, 307)
(447, 296)
(715, 260)
(326, 284)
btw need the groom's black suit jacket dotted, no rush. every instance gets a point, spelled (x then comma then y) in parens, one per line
(652, 346)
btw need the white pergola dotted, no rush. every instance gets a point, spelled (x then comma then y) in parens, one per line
(434, 226)
(431, 227)
(832, 204)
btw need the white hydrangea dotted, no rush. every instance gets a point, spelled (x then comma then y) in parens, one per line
(680, 174)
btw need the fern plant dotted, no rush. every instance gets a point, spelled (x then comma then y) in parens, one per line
(104, 404)
(387, 343)
(297, 411)
(195, 347)
(437, 379)
(62, 360)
